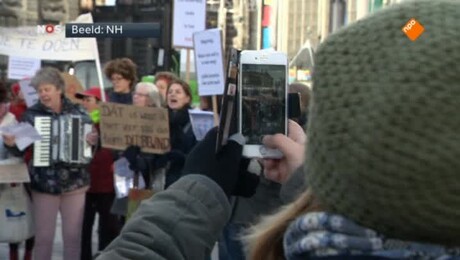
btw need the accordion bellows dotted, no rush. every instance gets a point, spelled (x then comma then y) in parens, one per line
(383, 136)
(63, 141)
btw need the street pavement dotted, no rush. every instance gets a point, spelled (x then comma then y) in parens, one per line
(58, 245)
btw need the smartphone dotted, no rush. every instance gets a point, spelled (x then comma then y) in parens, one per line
(262, 100)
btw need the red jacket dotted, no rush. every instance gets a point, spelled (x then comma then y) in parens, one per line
(17, 109)
(101, 171)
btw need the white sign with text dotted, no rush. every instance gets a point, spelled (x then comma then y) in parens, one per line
(202, 122)
(208, 62)
(29, 92)
(20, 68)
(189, 17)
(33, 42)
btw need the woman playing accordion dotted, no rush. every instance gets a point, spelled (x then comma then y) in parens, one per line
(56, 185)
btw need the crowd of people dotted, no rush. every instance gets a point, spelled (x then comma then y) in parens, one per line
(369, 169)
(80, 192)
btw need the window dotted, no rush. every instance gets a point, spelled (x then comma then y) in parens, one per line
(338, 14)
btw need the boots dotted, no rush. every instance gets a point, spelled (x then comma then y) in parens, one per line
(14, 255)
(28, 255)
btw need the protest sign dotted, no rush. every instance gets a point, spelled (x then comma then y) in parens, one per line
(124, 125)
(20, 68)
(189, 17)
(27, 42)
(29, 92)
(202, 122)
(208, 62)
(124, 178)
(13, 170)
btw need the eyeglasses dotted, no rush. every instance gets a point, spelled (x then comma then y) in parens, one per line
(116, 78)
(140, 94)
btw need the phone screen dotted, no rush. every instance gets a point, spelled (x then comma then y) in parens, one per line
(263, 104)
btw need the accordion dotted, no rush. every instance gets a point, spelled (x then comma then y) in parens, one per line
(63, 141)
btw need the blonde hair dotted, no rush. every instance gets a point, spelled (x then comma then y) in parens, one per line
(265, 239)
(72, 86)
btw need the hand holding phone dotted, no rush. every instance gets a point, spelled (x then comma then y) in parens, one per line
(262, 100)
(293, 149)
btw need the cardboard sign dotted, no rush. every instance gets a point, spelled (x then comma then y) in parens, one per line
(188, 17)
(209, 63)
(14, 172)
(124, 125)
(20, 68)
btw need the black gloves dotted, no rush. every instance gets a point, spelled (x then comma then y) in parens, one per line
(247, 182)
(131, 154)
(227, 168)
(176, 157)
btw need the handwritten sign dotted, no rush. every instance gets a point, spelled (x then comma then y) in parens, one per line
(202, 122)
(20, 68)
(189, 16)
(123, 125)
(29, 92)
(209, 64)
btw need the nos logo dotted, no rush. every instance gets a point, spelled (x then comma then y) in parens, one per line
(49, 28)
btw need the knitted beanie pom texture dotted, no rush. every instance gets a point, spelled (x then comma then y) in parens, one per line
(384, 130)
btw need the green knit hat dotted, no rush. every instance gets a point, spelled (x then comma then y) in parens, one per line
(384, 125)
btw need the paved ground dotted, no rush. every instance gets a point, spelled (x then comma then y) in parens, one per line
(57, 248)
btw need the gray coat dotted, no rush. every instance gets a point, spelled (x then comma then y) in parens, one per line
(182, 222)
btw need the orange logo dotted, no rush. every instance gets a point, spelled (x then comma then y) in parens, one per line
(413, 29)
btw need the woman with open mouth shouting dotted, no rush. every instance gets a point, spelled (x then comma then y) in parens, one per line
(178, 100)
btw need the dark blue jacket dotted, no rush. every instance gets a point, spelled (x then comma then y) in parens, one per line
(182, 141)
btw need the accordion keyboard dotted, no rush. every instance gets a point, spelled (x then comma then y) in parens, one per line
(42, 148)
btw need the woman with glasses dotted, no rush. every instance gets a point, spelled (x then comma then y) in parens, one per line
(123, 75)
(146, 95)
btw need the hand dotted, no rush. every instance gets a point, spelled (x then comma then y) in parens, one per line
(131, 153)
(226, 168)
(293, 149)
(9, 140)
(92, 138)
